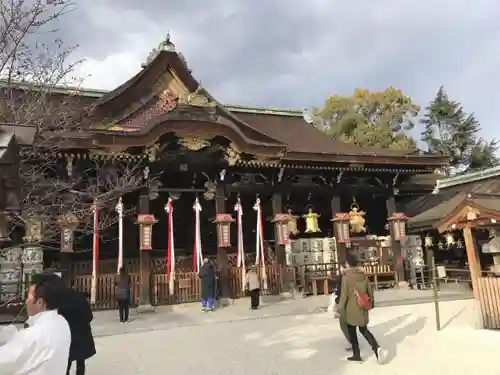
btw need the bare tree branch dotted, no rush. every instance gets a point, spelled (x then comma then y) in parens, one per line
(31, 75)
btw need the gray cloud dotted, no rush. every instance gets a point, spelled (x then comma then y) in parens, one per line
(290, 53)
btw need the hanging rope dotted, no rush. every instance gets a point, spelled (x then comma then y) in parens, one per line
(119, 210)
(240, 255)
(197, 253)
(169, 208)
(259, 244)
(95, 254)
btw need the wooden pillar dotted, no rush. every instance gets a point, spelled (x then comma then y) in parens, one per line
(222, 261)
(472, 259)
(341, 247)
(144, 304)
(279, 250)
(397, 255)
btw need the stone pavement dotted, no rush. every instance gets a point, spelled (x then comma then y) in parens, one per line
(309, 344)
(168, 317)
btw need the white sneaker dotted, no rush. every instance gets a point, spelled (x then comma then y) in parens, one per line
(381, 356)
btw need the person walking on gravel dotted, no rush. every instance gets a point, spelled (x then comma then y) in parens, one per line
(356, 300)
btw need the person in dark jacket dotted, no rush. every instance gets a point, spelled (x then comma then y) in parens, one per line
(77, 312)
(342, 322)
(122, 294)
(207, 276)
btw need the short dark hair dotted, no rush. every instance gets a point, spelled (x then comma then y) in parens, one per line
(352, 259)
(50, 288)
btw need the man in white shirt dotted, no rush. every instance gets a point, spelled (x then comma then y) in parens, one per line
(43, 347)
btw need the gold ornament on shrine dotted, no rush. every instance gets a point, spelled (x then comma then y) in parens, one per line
(311, 219)
(292, 223)
(356, 219)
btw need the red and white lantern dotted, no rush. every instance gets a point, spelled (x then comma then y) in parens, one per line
(146, 223)
(341, 227)
(397, 225)
(281, 227)
(223, 222)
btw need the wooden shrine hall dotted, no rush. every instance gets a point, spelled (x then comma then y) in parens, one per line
(309, 185)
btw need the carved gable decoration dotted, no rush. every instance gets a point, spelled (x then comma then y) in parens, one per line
(197, 99)
(194, 143)
(160, 104)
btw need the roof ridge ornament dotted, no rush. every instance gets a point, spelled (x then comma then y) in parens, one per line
(165, 45)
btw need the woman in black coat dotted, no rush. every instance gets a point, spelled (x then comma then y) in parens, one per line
(78, 314)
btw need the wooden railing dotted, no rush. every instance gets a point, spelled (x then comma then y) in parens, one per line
(488, 294)
(105, 296)
(322, 278)
(187, 286)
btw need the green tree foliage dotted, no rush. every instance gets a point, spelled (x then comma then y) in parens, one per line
(449, 130)
(380, 119)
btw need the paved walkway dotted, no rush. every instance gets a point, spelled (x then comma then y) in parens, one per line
(303, 344)
(168, 317)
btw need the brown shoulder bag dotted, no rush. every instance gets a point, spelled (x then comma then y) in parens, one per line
(363, 299)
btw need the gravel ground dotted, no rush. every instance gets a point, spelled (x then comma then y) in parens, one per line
(302, 344)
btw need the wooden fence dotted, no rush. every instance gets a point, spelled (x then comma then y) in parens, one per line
(187, 286)
(488, 294)
(105, 296)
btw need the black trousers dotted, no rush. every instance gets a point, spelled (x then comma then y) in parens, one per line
(80, 367)
(353, 336)
(254, 298)
(123, 309)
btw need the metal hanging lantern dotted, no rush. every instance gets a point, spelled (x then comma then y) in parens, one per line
(428, 241)
(68, 222)
(311, 219)
(33, 230)
(397, 224)
(341, 227)
(450, 240)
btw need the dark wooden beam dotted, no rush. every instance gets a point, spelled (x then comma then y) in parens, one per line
(341, 247)
(397, 256)
(277, 203)
(222, 260)
(144, 261)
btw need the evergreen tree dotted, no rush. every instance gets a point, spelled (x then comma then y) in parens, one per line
(451, 131)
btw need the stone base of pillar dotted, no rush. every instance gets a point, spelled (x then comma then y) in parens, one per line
(144, 309)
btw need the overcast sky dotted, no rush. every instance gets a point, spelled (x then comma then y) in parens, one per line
(293, 54)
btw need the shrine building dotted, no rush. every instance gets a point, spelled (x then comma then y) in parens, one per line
(309, 185)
